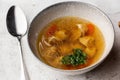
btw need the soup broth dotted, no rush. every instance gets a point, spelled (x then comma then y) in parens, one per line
(70, 43)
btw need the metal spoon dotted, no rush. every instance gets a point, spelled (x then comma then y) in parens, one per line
(17, 27)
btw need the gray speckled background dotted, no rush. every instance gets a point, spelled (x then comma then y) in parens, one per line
(10, 52)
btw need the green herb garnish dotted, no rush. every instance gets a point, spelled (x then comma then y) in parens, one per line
(78, 57)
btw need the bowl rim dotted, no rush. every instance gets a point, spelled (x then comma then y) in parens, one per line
(77, 2)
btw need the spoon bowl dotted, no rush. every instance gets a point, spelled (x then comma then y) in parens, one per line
(16, 22)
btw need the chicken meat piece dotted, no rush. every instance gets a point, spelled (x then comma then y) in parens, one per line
(87, 41)
(83, 28)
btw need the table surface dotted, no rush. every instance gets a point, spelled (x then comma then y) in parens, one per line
(10, 52)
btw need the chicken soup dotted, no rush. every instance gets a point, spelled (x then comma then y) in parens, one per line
(70, 43)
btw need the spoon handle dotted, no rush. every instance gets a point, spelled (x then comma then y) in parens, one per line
(24, 72)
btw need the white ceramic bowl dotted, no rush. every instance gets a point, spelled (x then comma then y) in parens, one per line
(79, 9)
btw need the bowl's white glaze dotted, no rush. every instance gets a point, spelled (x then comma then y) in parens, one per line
(79, 9)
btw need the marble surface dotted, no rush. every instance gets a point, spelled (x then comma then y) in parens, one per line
(10, 51)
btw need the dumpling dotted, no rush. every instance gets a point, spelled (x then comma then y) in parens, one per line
(65, 49)
(90, 51)
(75, 34)
(60, 35)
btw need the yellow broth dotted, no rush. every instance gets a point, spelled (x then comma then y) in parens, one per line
(62, 35)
